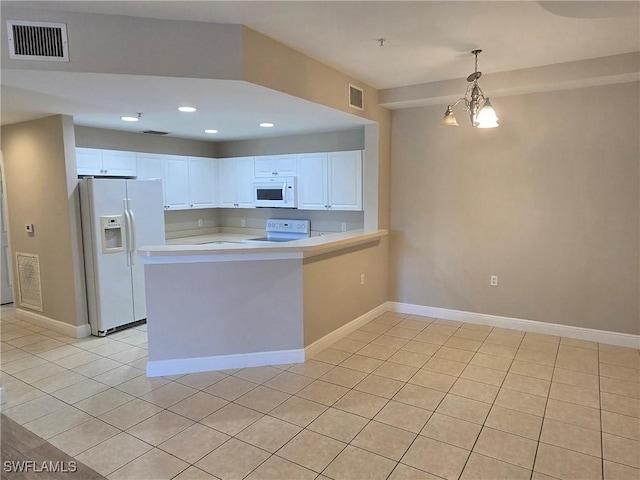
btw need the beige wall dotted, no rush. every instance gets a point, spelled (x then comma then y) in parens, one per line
(41, 189)
(333, 295)
(549, 202)
(309, 143)
(141, 142)
(276, 66)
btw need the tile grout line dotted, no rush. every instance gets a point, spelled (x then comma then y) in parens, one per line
(546, 403)
(489, 412)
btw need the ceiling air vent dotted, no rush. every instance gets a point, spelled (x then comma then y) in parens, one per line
(37, 41)
(356, 97)
(155, 132)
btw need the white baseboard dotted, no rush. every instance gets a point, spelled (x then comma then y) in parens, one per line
(331, 338)
(580, 333)
(79, 331)
(178, 366)
(222, 362)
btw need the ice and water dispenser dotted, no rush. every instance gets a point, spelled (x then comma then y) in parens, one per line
(112, 233)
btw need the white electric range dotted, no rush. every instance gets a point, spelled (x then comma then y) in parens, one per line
(282, 230)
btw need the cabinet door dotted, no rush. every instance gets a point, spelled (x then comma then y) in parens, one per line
(244, 181)
(202, 182)
(226, 182)
(345, 180)
(116, 163)
(265, 166)
(149, 166)
(285, 165)
(176, 182)
(89, 161)
(312, 181)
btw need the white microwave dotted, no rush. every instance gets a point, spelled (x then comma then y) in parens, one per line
(279, 192)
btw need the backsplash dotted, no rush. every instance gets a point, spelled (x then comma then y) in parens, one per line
(188, 220)
(321, 221)
(180, 223)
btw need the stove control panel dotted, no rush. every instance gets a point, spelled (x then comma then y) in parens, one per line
(275, 225)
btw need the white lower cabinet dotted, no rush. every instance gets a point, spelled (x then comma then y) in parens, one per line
(235, 182)
(330, 181)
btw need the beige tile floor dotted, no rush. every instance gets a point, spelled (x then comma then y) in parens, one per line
(404, 397)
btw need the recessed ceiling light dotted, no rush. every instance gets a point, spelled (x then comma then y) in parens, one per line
(267, 125)
(188, 109)
(211, 130)
(129, 118)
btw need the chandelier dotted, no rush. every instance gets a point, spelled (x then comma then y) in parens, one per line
(482, 113)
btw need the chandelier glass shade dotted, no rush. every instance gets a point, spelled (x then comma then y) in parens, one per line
(482, 114)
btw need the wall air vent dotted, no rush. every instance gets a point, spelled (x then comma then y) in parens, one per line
(37, 41)
(155, 132)
(29, 288)
(356, 97)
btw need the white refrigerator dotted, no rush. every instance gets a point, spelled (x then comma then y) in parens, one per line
(118, 217)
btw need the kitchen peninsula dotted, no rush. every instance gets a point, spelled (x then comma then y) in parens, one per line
(224, 305)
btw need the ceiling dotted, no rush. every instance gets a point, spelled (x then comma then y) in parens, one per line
(425, 41)
(233, 108)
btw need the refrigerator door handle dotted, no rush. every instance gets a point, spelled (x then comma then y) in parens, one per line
(127, 222)
(133, 245)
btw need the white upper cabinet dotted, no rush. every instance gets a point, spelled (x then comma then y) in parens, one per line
(275, 165)
(119, 164)
(345, 180)
(150, 166)
(312, 181)
(235, 182)
(188, 182)
(89, 161)
(176, 182)
(330, 181)
(202, 182)
(113, 163)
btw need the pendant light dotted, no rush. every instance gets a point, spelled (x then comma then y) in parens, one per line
(482, 113)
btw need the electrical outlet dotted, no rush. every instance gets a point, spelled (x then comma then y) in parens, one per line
(200, 222)
(28, 227)
(494, 280)
(243, 223)
(362, 279)
(343, 227)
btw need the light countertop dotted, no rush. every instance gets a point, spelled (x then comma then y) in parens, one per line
(232, 247)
